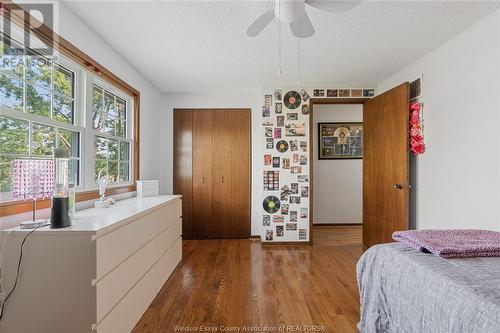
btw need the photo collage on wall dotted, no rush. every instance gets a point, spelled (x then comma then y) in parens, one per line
(285, 121)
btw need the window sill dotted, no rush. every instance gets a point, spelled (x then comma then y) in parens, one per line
(17, 207)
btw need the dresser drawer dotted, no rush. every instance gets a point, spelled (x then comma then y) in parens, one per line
(113, 248)
(112, 287)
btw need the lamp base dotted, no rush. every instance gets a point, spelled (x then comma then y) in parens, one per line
(33, 224)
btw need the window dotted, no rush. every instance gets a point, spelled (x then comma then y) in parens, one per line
(111, 142)
(49, 101)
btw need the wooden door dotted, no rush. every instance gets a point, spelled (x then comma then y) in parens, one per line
(385, 165)
(240, 166)
(183, 166)
(223, 202)
(202, 152)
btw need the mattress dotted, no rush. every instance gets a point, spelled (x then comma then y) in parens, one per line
(404, 290)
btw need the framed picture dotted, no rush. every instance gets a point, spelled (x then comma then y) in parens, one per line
(340, 141)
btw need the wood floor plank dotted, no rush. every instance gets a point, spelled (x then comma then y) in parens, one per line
(241, 283)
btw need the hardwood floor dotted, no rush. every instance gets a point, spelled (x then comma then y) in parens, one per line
(236, 283)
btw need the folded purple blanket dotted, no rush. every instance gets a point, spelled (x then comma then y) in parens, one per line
(459, 243)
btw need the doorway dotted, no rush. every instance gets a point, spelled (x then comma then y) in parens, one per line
(385, 164)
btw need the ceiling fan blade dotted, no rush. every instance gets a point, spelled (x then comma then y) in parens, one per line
(259, 24)
(303, 27)
(333, 6)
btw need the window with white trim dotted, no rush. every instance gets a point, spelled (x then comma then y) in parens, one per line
(49, 101)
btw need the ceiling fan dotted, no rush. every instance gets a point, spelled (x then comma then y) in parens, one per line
(294, 13)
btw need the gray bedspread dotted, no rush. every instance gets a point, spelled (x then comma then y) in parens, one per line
(404, 290)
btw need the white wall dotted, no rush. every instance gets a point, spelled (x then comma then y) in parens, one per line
(74, 29)
(458, 182)
(179, 101)
(337, 183)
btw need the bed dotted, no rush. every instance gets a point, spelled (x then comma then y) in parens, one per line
(404, 290)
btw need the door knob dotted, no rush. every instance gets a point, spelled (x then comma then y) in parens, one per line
(222, 179)
(398, 186)
(203, 180)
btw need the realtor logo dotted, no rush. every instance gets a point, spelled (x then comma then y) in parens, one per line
(34, 16)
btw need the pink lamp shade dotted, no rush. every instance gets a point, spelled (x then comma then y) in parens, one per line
(32, 179)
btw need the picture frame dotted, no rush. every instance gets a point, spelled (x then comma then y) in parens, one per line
(340, 140)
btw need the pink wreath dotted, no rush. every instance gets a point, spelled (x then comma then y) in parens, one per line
(417, 145)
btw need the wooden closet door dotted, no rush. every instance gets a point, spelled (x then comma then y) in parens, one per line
(240, 176)
(223, 201)
(202, 173)
(183, 166)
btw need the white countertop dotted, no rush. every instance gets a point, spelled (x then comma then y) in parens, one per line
(100, 221)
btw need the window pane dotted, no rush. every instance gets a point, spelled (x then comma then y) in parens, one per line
(63, 109)
(97, 109)
(69, 140)
(14, 136)
(11, 54)
(38, 100)
(63, 81)
(11, 92)
(113, 149)
(99, 165)
(74, 170)
(124, 172)
(39, 69)
(44, 139)
(109, 125)
(5, 174)
(124, 151)
(109, 104)
(112, 171)
(121, 128)
(101, 148)
(121, 106)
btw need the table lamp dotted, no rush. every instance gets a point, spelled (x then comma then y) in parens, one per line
(32, 179)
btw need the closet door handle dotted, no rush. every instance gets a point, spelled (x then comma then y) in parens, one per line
(203, 180)
(222, 179)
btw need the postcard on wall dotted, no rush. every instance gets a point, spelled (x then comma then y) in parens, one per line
(268, 159)
(268, 132)
(305, 109)
(303, 146)
(319, 92)
(304, 95)
(266, 111)
(303, 178)
(278, 219)
(291, 226)
(268, 100)
(280, 121)
(295, 129)
(277, 94)
(332, 93)
(277, 133)
(266, 220)
(278, 108)
(295, 169)
(303, 160)
(293, 145)
(293, 216)
(269, 235)
(269, 143)
(303, 213)
(294, 188)
(295, 200)
(296, 158)
(267, 123)
(356, 93)
(279, 231)
(344, 93)
(284, 209)
(304, 191)
(276, 162)
(368, 92)
(271, 180)
(302, 234)
(292, 116)
(285, 163)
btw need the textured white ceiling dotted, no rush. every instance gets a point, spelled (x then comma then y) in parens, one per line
(201, 46)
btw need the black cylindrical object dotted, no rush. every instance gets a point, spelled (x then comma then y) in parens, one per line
(59, 217)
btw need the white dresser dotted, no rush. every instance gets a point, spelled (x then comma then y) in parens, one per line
(99, 275)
